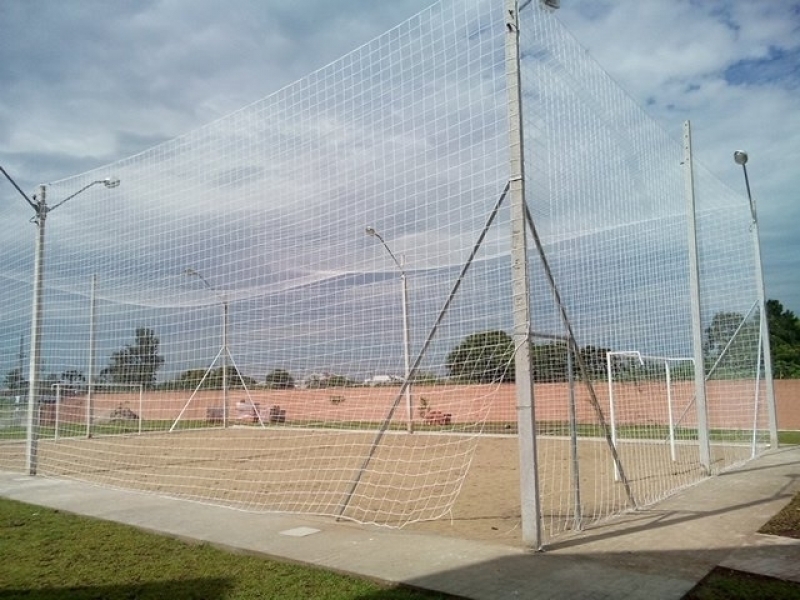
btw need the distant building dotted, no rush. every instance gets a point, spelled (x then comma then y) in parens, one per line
(383, 380)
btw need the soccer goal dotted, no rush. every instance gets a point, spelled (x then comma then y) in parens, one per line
(644, 394)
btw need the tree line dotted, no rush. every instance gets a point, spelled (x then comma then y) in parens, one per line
(730, 347)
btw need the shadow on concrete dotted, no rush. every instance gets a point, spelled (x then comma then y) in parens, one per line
(184, 589)
(637, 575)
(650, 519)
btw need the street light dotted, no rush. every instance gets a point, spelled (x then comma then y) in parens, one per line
(740, 158)
(224, 350)
(406, 330)
(40, 207)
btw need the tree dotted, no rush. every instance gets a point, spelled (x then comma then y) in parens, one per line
(595, 361)
(280, 379)
(784, 337)
(136, 363)
(190, 379)
(484, 357)
(74, 381)
(338, 381)
(731, 343)
(328, 380)
(15, 382)
(550, 362)
(425, 378)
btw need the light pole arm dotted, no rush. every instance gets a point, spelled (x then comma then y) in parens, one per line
(406, 327)
(199, 275)
(109, 183)
(749, 195)
(389, 250)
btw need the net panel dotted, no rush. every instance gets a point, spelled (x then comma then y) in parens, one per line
(606, 191)
(234, 279)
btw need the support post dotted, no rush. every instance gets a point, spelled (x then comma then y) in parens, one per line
(577, 506)
(526, 417)
(90, 385)
(225, 354)
(611, 408)
(32, 441)
(694, 287)
(670, 419)
(406, 346)
(57, 417)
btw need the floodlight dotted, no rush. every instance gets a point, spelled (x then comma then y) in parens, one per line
(371, 231)
(42, 209)
(740, 157)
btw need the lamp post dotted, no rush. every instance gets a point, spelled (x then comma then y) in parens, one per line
(40, 207)
(406, 329)
(740, 158)
(224, 351)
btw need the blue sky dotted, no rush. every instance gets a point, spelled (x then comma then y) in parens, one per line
(90, 83)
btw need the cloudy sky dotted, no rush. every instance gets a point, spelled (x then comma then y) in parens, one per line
(89, 83)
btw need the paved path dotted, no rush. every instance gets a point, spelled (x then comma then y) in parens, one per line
(660, 552)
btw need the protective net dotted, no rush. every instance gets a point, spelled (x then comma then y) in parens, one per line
(305, 305)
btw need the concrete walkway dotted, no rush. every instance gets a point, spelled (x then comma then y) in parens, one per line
(660, 552)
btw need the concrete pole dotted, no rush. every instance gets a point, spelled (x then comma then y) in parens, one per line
(526, 417)
(90, 386)
(406, 347)
(703, 440)
(225, 353)
(32, 443)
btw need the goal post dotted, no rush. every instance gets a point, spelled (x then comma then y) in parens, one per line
(634, 369)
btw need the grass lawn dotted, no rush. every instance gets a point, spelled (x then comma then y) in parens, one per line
(48, 555)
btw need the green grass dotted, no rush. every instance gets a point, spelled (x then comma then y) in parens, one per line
(48, 555)
(789, 438)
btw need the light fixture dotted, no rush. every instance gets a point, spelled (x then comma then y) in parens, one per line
(39, 205)
(406, 328)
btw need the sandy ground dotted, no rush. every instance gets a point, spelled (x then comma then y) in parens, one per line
(442, 481)
(455, 485)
